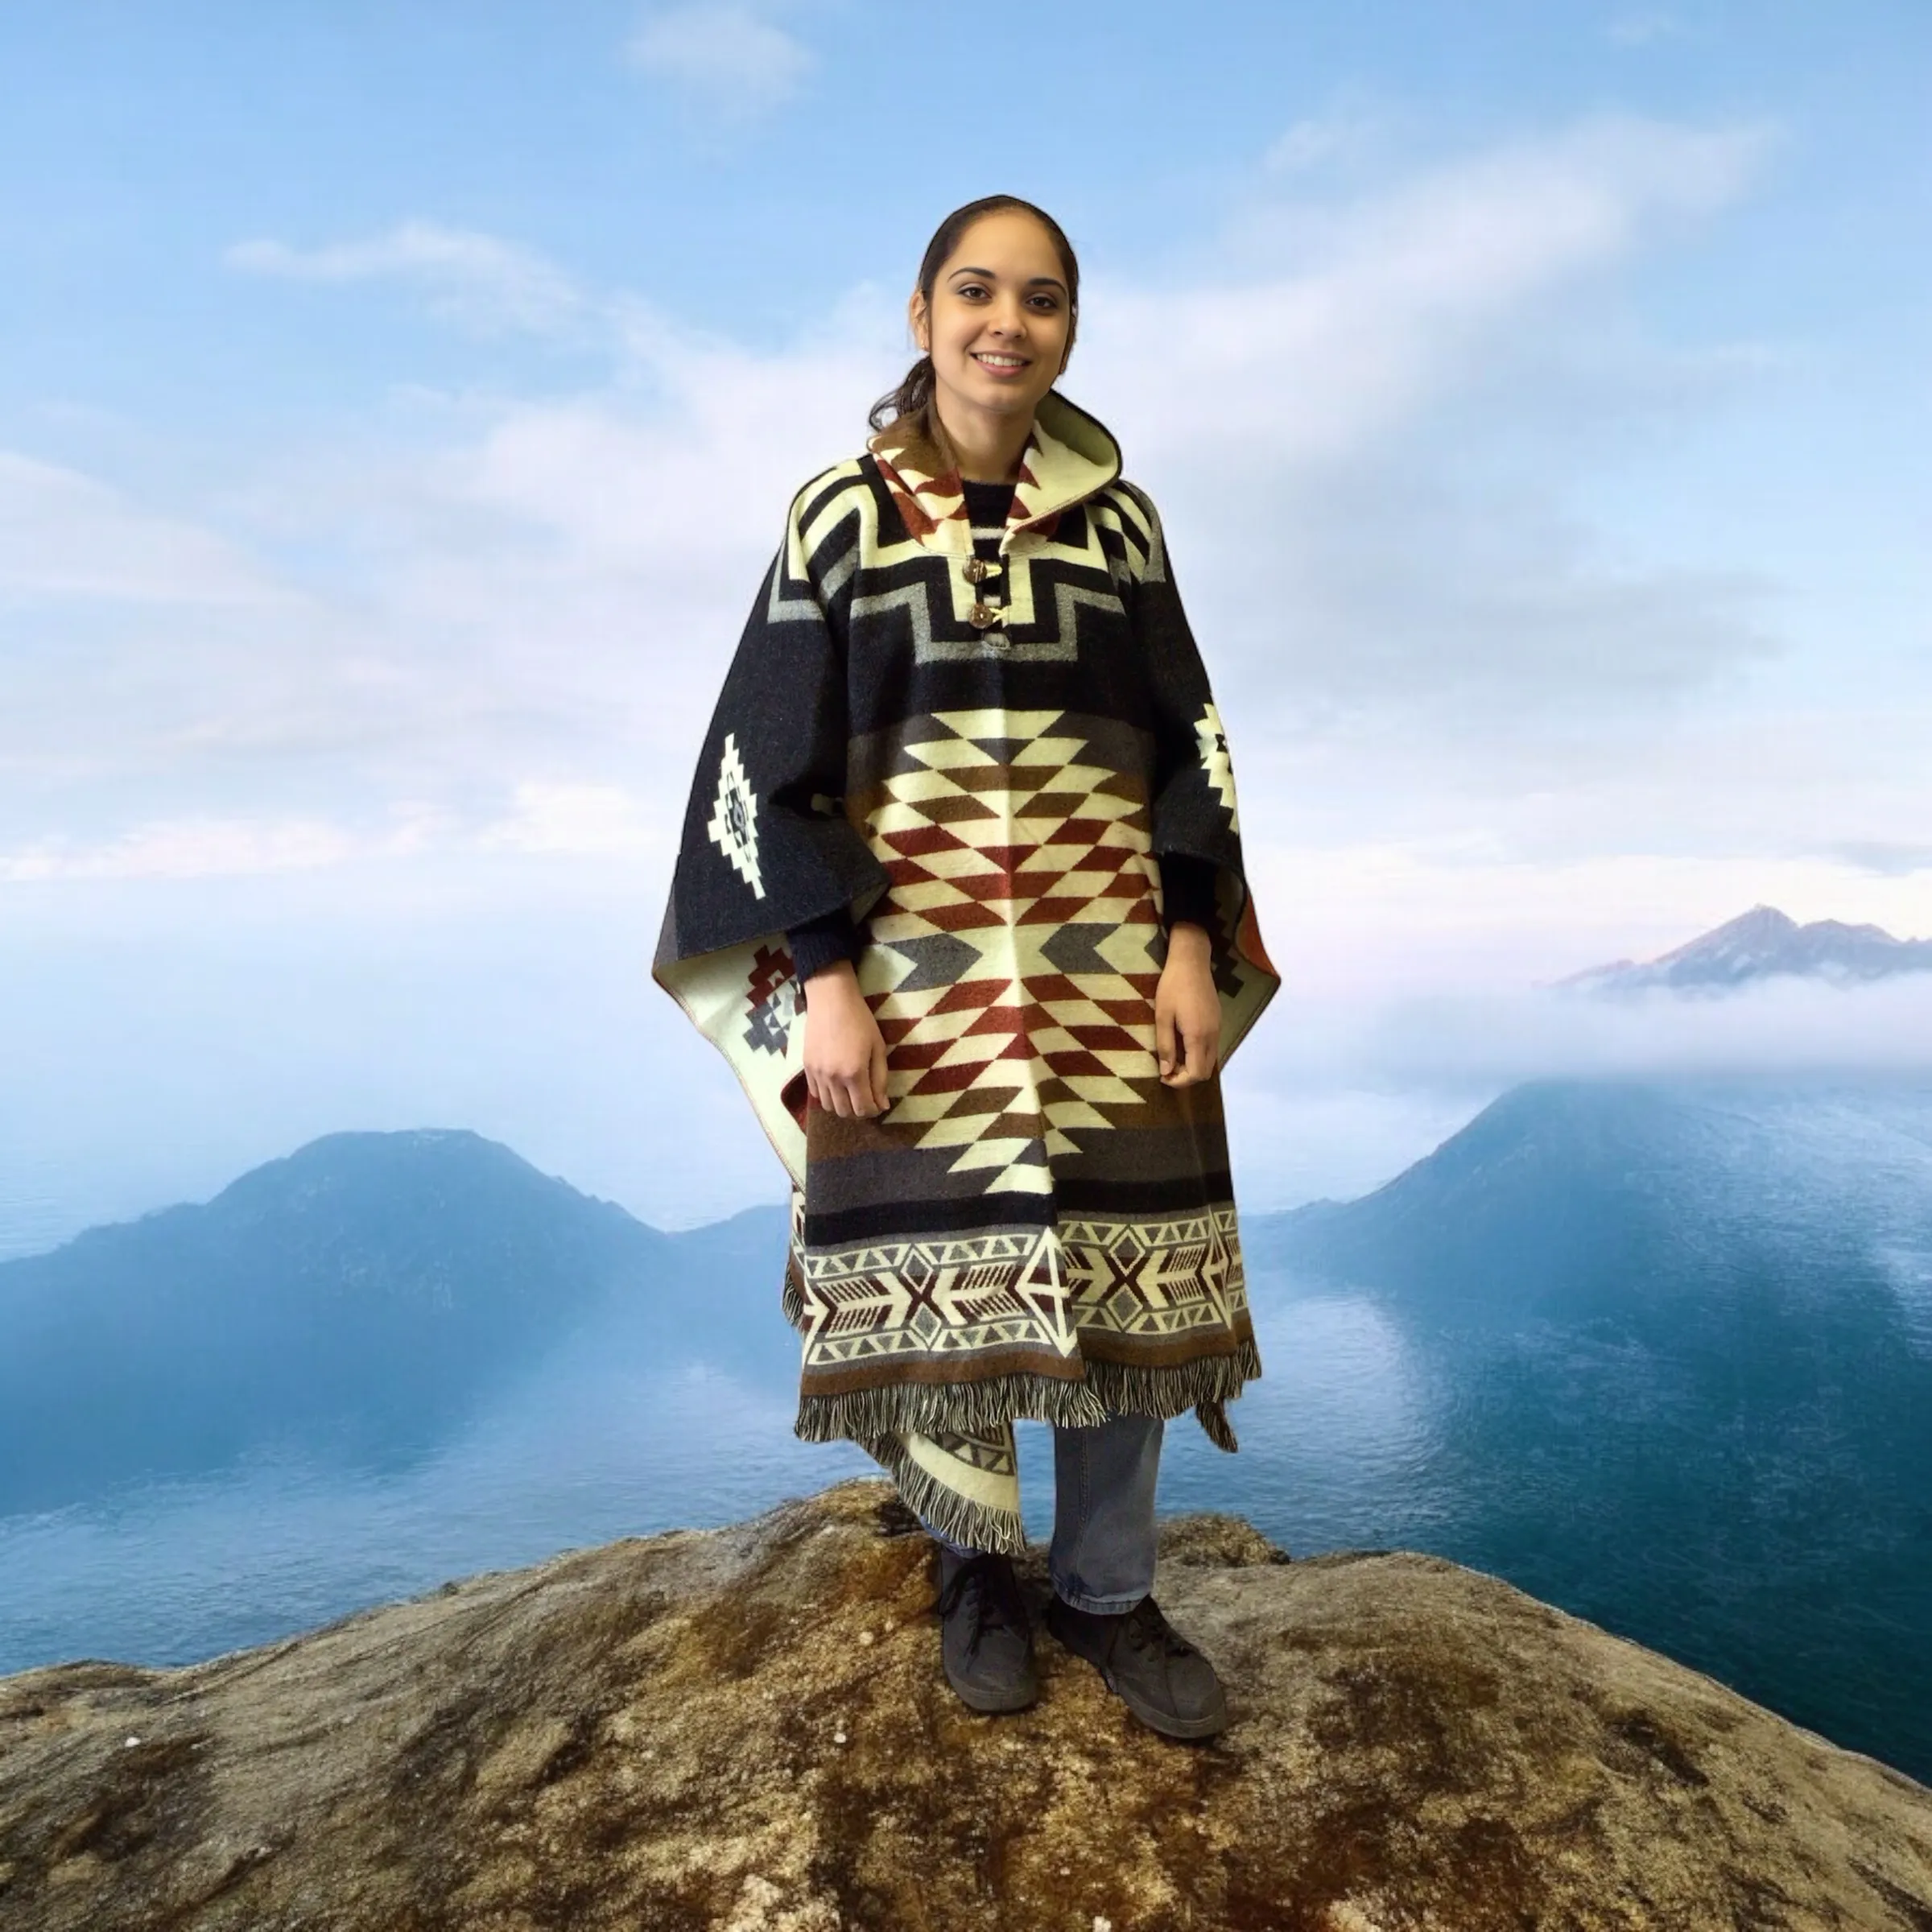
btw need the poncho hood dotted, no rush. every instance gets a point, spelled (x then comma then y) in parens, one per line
(1069, 457)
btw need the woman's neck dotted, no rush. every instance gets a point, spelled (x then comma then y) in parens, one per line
(988, 448)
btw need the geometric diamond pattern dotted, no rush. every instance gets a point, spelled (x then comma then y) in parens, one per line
(1016, 937)
(1213, 740)
(936, 1296)
(1040, 1289)
(733, 825)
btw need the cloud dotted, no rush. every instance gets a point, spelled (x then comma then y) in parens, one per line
(67, 536)
(1320, 396)
(1332, 1096)
(471, 278)
(536, 599)
(541, 818)
(730, 57)
(1347, 133)
(601, 820)
(184, 849)
(1891, 858)
(1645, 29)
(1784, 1025)
(1348, 322)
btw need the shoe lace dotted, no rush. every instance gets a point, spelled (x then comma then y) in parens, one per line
(1147, 1629)
(992, 1594)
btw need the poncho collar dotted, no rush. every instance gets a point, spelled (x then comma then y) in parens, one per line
(1069, 454)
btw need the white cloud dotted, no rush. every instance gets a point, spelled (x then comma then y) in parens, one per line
(1645, 29)
(732, 57)
(540, 818)
(1422, 654)
(1784, 1025)
(64, 535)
(475, 279)
(1342, 327)
(1347, 133)
(599, 819)
(1890, 858)
(184, 849)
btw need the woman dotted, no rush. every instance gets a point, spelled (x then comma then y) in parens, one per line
(966, 804)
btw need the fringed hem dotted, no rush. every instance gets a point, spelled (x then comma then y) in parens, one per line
(958, 1518)
(1107, 1388)
(1213, 1419)
(1204, 1385)
(947, 1408)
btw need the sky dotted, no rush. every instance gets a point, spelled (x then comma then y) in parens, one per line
(398, 407)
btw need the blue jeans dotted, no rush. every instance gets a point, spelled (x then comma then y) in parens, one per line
(1102, 1554)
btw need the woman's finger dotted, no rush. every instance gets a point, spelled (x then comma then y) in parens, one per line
(1163, 1039)
(881, 1098)
(1202, 1049)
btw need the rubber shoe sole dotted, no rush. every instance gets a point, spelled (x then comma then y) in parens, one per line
(990, 1702)
(1189, 1729)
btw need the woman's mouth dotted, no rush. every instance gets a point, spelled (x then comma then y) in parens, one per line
(997, 364)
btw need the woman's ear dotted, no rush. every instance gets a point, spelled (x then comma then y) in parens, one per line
(915, 318)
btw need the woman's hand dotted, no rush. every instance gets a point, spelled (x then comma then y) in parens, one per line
(1187, 1009)
(844, 1050)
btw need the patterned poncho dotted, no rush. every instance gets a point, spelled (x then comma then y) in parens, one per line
(983, 764)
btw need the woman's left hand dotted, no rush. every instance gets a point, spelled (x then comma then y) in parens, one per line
(1187, 1010)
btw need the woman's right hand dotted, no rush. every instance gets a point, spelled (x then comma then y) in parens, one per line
(844, 1050)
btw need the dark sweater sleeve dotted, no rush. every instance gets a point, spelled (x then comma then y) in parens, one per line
(1187, 888)
(818, 942)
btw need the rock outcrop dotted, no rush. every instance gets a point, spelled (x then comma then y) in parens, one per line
(745, 1730)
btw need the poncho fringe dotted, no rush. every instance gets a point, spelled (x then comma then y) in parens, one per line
(1104, 1389)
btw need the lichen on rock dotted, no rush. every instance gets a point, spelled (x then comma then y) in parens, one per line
(692, 1733)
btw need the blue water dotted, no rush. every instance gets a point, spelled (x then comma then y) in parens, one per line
(1575, 1464)
(165, 1573)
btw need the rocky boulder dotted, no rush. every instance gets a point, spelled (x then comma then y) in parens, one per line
(745, 1730)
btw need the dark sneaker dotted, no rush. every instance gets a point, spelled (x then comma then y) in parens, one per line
(986, 1635)
(1160, 1677)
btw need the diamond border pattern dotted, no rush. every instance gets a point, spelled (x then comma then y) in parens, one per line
(1039, 1291)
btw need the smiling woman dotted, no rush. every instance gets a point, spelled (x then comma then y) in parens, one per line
(1002, 348)
(967, 781)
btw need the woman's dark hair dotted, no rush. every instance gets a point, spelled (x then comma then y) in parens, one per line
(913, 396)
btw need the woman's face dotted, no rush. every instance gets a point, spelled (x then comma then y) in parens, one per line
(998, 327)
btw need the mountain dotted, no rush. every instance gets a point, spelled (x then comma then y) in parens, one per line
(747, 1728)
(363, 1297)
(1574, 1194)
(1757, 945)
(1672, 1346)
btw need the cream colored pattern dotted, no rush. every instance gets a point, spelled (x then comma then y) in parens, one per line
(1086, 844)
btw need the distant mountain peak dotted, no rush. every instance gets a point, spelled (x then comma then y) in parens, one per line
(1760, 944)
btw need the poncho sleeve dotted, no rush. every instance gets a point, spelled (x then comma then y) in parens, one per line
(765, 844)
(1193, 811)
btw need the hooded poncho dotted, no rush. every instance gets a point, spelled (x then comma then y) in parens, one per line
(983, 764)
